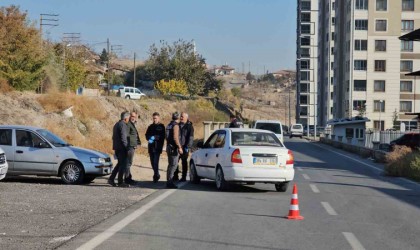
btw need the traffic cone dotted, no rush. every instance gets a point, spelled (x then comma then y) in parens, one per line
(294, 206)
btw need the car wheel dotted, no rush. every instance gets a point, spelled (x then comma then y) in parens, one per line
(89, 179)
(194, 178)
(282, 186)
(127, 97)
(72, 173)
(221, 183)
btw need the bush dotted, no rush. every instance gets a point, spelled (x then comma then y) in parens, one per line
(4, 86)
(397, 161)
(172, 87)
(413, 169)
(236, 92)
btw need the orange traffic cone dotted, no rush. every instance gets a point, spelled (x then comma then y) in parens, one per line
(294, 206)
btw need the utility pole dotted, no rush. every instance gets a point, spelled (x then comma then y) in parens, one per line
(134, 71)
(243, 68)
(47, 21)
(290, 123)
(108, 65)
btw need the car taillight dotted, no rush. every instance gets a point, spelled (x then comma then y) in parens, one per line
(290, 158)
(236, 156)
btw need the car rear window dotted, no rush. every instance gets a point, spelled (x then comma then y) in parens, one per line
(255, 139)
(297, 127)
(273, 127)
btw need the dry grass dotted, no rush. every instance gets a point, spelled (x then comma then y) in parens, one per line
(4, 86)
(400, 162)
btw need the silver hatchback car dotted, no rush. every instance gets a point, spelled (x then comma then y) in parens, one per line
(37, 151)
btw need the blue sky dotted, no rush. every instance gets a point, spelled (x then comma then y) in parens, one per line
(234, 31)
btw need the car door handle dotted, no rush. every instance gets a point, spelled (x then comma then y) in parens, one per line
(206, 154)
(19, 151)
(217, 155)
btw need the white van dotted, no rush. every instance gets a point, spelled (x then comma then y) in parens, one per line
(3, 164)
(296, 130)
(131, 93)
(271, 125)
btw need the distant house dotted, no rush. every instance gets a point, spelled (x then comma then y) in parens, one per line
(284, 73)
(223, 70)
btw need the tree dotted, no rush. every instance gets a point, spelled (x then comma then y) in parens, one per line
(21, 55)
(103, 58)
(75, 74)
(172, 87)
(250, 77)
(180, 62)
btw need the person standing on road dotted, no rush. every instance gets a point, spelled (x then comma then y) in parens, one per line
(155, 134)
(133, 142)
(173, 149)
(234, 123)
(120, 146)
(187, 139)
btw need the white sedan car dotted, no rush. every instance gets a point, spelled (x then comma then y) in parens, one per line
(243, 156)
(3, 164)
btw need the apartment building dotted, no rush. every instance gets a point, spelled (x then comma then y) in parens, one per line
(307, 61)
(326, 36)
(371, 63)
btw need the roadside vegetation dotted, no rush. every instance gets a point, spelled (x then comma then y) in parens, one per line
(403, 162)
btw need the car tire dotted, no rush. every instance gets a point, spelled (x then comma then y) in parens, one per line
(89, 179)
(221, 183)
(72, 173)
(194, 178)
(281, 186)
(127, 97)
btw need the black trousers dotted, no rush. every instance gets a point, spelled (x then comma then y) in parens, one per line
(121, 168)
(154, 160)
(184, 162)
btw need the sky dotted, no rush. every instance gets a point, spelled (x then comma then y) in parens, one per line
(261, 33)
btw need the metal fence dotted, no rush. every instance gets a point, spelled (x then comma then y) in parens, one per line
(381, 137)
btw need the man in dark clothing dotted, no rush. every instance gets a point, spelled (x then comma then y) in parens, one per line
(186, 139)
(133, 141)
(120, 145)
(234, 123)
(173, 149)
(155, 135)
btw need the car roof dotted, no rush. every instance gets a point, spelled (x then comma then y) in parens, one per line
(246, 130)
(268, 121)
(19, 127)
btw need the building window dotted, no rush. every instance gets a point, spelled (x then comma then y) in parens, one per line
(361, 24)
(333, 20)
(406, 86)
(305, 64)
(305, 52)
(303, 111)
(359, 85)
(360, 65)
(305, 41)
(380, 45)
(378, 106)
(305, 17)
(360, 45)
(305, 5)
(380, 25)
(407, 46)
(362, 4)
(305, 29)
(379, 125)
(379, 86)
(407, 25)
(304, 99)
(407, 5)
(406, 66)
(380, 65)
(381, 5)
(305, 76)
(405, 106)
(359, 104)
(304, 88)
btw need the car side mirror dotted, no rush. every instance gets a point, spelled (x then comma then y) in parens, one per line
(200, 144)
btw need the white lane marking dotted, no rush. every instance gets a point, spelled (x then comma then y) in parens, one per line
(108, 233)
(328, 207)
(306, 177)
(299, 169)
(353, 241)
(314, 188)
(361, 162)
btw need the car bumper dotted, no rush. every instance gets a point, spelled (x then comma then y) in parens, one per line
(3, 171)
(297, 133)
(255, 174)
(97, 168)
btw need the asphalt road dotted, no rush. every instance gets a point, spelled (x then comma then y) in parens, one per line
(347, 203)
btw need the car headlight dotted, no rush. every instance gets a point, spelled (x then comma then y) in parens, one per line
(97, 160)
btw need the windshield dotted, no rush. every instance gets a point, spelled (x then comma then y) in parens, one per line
(255, 139)
(52, 138)
(273, 127)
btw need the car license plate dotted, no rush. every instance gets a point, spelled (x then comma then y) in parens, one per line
(265, 160)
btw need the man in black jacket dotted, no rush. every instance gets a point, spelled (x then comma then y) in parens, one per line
(155, 135)
(187, 140)
(133, 142)
(120, 146)
(234, 123)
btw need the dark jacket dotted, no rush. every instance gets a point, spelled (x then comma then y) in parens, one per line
(186, 134)
(158, 131)
(119, 136)
(172, 135)
(235, 124)
(132, 135)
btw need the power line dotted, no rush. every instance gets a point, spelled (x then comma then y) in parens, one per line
(47, 21)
